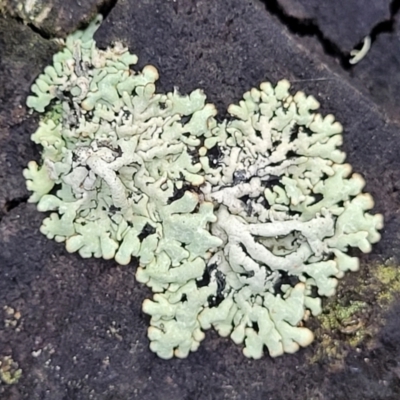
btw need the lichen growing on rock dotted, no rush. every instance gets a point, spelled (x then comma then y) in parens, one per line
(287, 210)
(118, 163)
(241, 225)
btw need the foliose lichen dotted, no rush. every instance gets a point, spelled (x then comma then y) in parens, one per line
(116, 165)
(242, 225)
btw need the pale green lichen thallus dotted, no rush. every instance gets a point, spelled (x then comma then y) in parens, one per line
(241, 225)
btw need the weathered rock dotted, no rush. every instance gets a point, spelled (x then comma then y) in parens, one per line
(22, 57)
(344, 22)
(379, 72)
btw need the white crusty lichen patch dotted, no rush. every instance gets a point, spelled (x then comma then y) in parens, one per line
(241, 225)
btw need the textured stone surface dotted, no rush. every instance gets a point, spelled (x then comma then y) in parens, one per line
(343, 22)
(22, 57)
(82, 334)
(379, 72)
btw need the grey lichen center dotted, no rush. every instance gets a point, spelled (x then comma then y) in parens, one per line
(234, 224)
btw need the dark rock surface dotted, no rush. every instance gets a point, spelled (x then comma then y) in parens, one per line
(23, 55)
(376, 76)
(82, 334)
(343, 22)
(379, 72)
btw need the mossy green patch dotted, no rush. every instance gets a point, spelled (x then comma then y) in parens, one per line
(345, 324)
(389, 277)
(346, 319)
